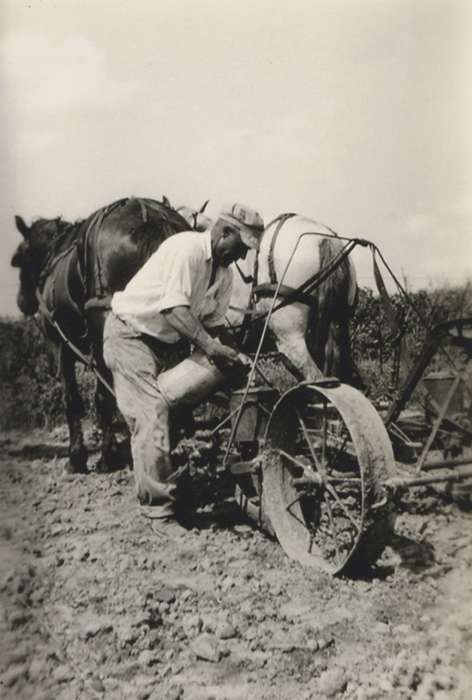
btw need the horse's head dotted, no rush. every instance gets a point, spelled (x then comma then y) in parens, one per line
(31, 256)
(196, 219)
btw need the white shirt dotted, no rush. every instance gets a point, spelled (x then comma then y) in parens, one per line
(177, 274)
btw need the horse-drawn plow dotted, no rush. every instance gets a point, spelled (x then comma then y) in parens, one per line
(317, 464)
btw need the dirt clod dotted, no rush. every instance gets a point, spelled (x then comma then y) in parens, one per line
(96, 603)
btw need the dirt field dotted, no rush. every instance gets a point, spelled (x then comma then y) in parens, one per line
(96, 603)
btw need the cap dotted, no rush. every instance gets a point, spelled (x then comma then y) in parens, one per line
(249, 222)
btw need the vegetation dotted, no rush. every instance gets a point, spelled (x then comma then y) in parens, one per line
(30, 385)
(31, 392)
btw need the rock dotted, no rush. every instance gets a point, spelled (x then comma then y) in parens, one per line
(35, 668)
(174, 692)
(191, 624)
(206, 647)
(282, 641)
(225, 630)
(97, 685)
(294, 609)
(18, 617)
(147, 658)
(81, 553)
(385, 685)
(91, 627)
(165, 595)
(127, 634)
(381, 628)
(227, 583)
(62, 674)
(209, 623)
(18, 655)
(13, 674)
(325, 642)
(332, 682)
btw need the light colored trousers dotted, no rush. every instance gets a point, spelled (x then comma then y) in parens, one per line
(135, 361)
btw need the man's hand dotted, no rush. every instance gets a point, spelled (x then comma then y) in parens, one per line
(225, 358)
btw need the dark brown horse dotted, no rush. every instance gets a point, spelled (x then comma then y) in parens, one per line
(68, 273)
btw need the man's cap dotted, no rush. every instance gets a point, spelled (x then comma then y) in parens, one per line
(249, 222)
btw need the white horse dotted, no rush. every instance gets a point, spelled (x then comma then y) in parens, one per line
(313, 331)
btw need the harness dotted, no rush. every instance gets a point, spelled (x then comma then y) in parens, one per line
(282, 295)
(102, 299)
(87, 360)
(286, 294)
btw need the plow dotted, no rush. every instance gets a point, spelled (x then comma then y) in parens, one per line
(317, 465)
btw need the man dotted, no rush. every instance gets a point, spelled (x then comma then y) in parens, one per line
(178, 298)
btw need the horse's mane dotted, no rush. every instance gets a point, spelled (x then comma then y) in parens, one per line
(55, 235)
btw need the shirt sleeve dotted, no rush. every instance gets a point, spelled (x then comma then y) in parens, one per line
(218, 316)
(180, 279)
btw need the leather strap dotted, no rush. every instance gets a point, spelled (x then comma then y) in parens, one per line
(270, 258)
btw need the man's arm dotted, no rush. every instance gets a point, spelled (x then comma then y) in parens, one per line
(188, 326)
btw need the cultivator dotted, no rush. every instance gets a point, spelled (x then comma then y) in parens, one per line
(314, 464)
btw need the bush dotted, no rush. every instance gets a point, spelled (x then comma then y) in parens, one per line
(31, 391)
(384, 354)
(30, 388)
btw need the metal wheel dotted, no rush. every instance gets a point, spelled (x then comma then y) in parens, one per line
(326, 456)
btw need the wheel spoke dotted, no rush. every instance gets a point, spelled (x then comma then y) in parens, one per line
(314, 457)
(292, 459)
(349, 480)
(332, 491)
(335, 458)
(325, 433)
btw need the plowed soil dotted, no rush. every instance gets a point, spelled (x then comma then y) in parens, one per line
(97, 602)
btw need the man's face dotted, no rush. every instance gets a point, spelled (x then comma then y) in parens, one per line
(229, 247)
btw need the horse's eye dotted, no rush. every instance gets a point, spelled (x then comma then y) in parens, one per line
(17, 258)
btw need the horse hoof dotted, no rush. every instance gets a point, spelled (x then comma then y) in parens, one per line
(76, 466)
(116, 458)
(103, 466)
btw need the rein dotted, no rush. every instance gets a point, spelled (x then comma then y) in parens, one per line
(87, 360)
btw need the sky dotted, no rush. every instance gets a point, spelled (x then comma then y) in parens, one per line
(353, 112)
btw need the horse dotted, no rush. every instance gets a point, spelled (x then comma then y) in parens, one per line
(312, 331)
(68, 272)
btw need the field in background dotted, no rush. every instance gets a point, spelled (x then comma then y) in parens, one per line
(30, 389)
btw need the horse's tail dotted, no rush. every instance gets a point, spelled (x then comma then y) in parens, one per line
(332, 309)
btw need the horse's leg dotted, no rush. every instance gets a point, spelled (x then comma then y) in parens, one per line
(289, 325)
(112, 456)
(338, 353)
(105, 403)
(74, 409)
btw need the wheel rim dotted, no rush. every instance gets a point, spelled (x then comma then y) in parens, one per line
(326, 456)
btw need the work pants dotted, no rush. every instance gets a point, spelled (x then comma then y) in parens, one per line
(135, 360)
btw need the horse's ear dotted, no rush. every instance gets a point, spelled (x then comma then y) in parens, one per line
(204, 206)
(166, 202)
(22, 227)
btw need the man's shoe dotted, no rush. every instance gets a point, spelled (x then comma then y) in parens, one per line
(165, 526)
